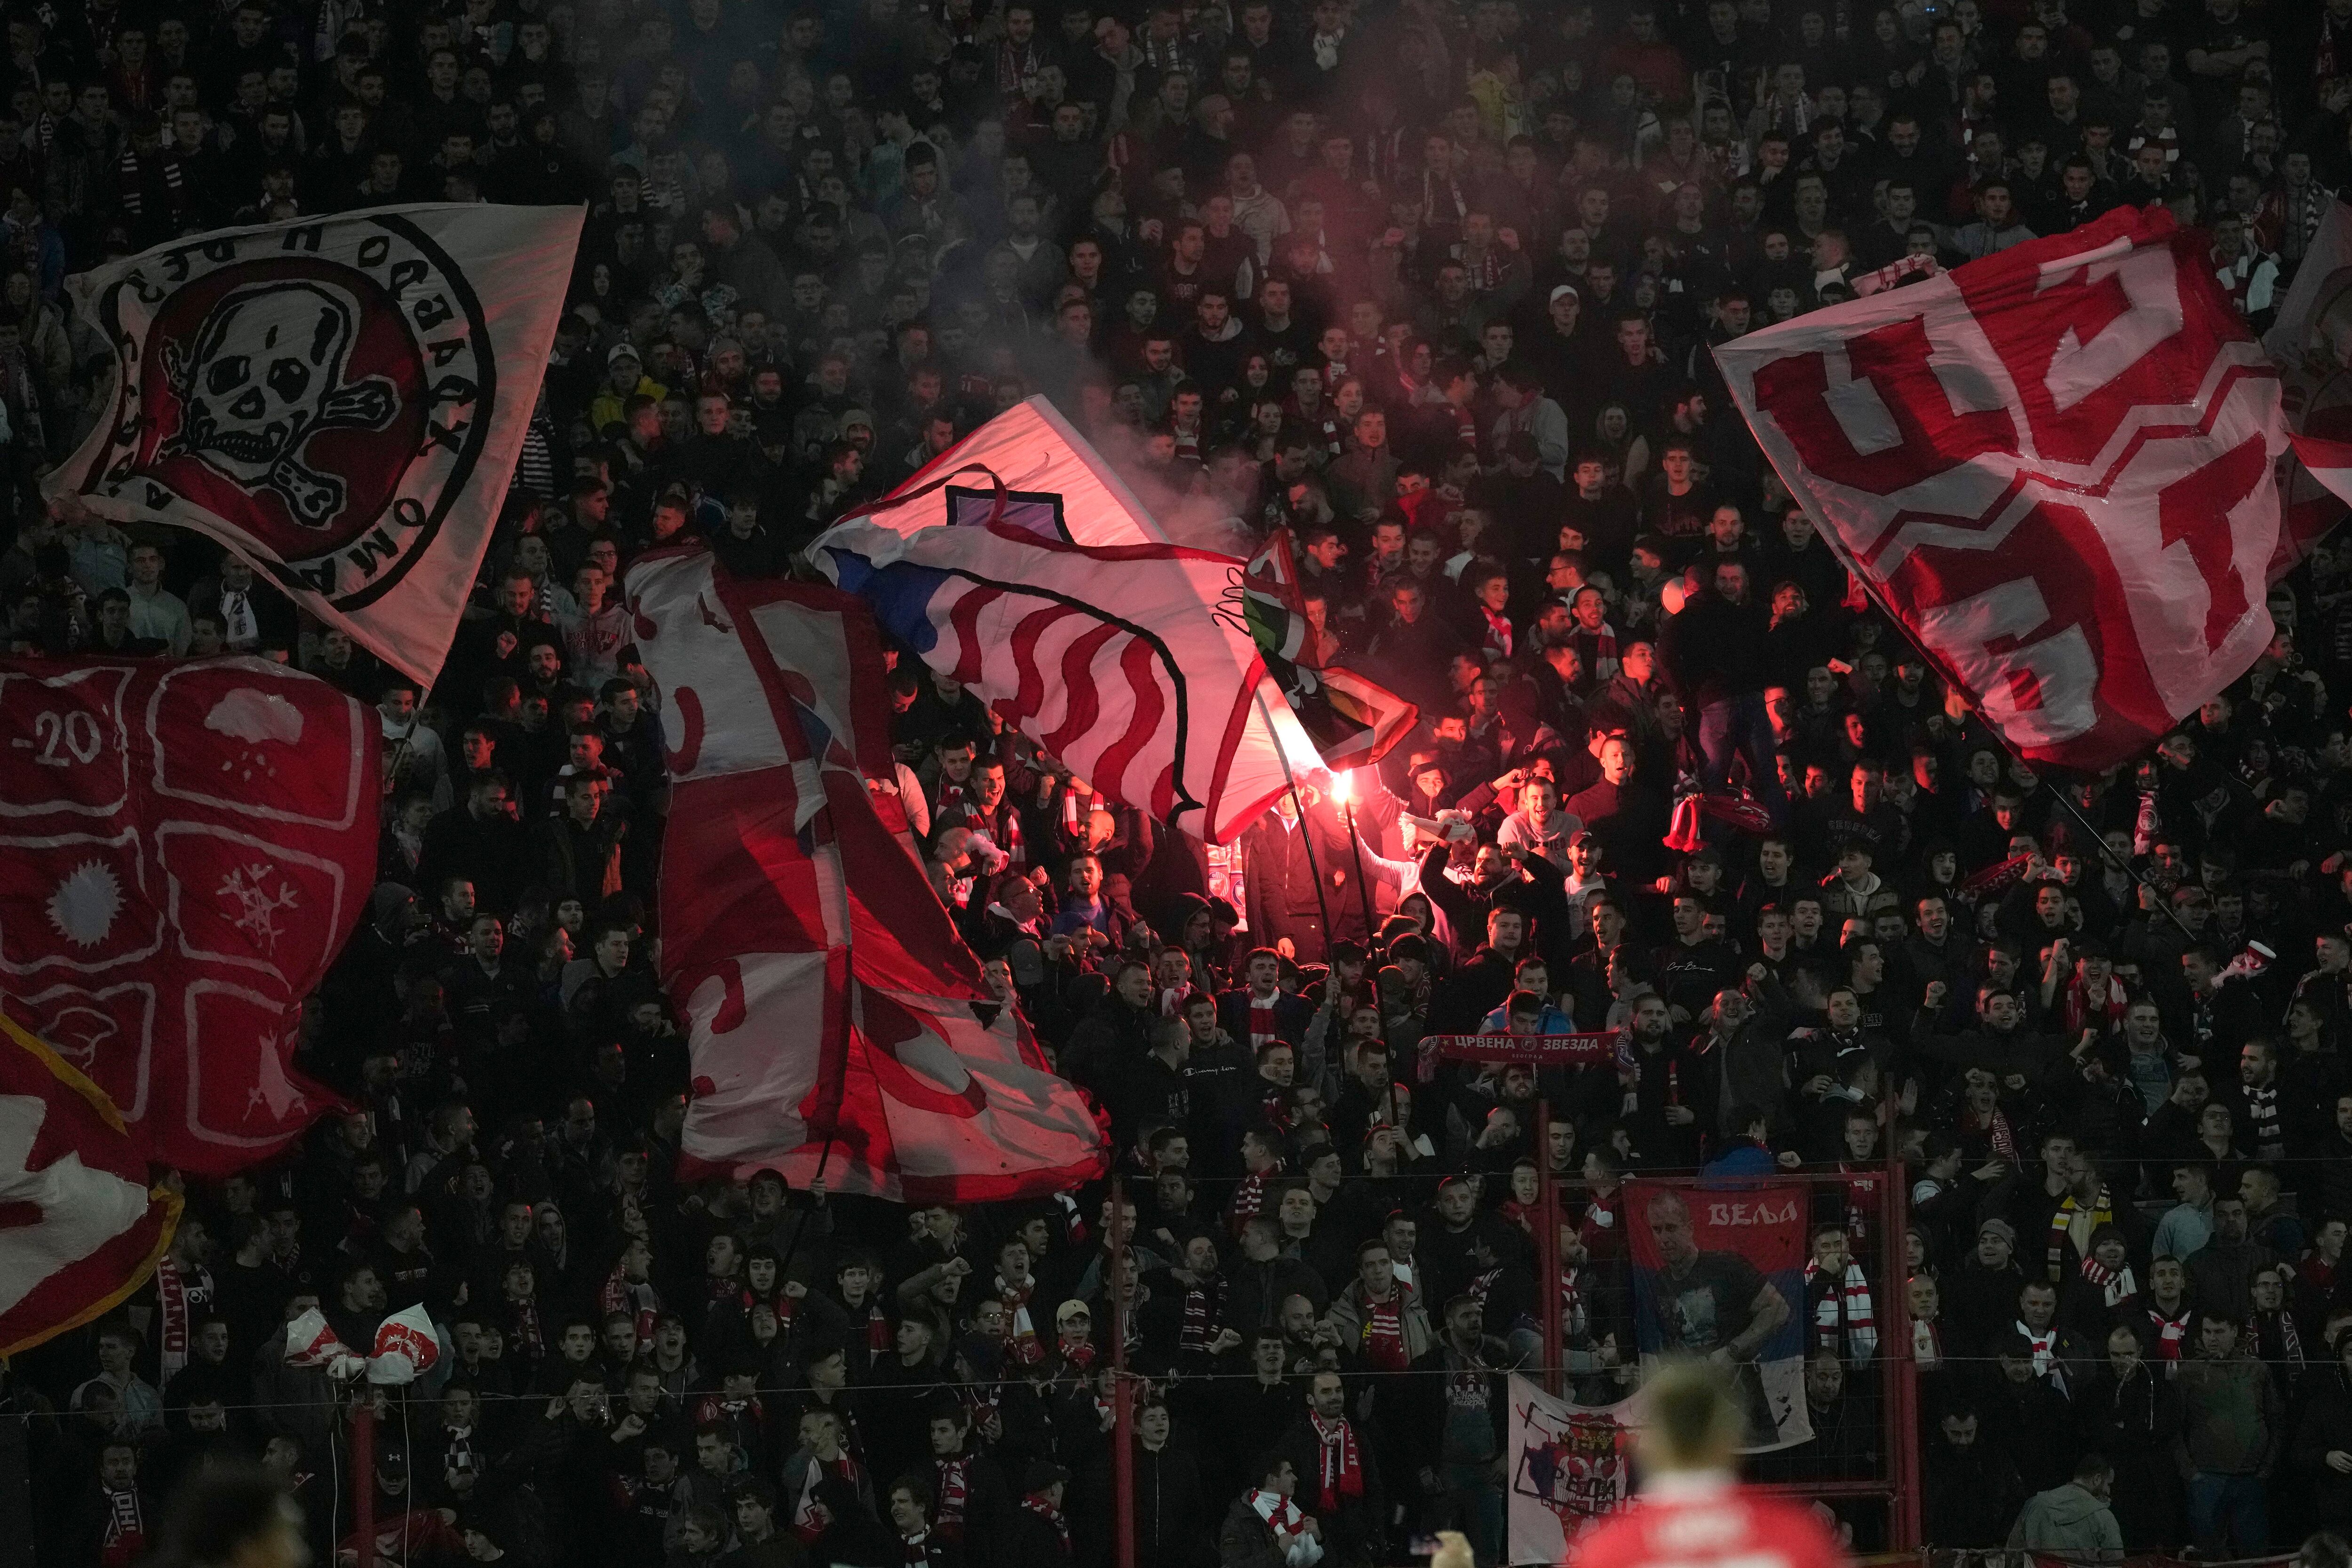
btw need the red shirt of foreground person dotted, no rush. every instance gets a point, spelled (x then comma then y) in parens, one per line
(1692, 1512)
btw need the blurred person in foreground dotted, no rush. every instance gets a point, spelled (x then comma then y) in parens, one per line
(1692, 1509)
(233, 1515)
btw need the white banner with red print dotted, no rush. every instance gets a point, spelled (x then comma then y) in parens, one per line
(834, 1018)
(339, 400)
(2054, 469)
(1571, 1467)
(183, 850)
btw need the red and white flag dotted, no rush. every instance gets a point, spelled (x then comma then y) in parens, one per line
(407, 1347)
(80, 1227)
(2053, 466)
(1020, 565)
(311, 1342)
(339, 400)
(183, 848)
(830, 1004)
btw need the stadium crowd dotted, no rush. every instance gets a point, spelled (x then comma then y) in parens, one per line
(1435, 286)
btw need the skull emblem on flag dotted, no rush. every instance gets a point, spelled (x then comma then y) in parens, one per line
(263, 375)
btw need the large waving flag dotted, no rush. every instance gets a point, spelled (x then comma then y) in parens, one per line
(81, 1227)
(834, 1017)
(2053, 468)
(339, 400)
(183, 848)
(1019, 565)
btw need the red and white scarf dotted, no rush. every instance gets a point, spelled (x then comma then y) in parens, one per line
(1996, 1122)
(635, 1299)
(955, 1494)
(1004, 831)
(2044, 1346)
(1035, 1503)
(1601, 663)
(807, 1523)
(1499, 639)
(171, 1333)
(1846, 1305)
(2114, 1285)
(1020, 1330)
(1249, 1196)
(2110, 1008)
(2171, 1333)
(1382, 1342)
(1282, 1516)
(915, 1551)
(1926, 1343)
(877, 1333)
(1263, 1030)
(1573, 1322)
(1342, 1475)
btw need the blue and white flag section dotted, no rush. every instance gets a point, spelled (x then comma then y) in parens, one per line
(339, 400)
(1018, 566)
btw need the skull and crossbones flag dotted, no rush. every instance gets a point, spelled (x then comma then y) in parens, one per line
(339, 400)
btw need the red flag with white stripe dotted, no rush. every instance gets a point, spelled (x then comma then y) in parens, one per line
(834, 1017)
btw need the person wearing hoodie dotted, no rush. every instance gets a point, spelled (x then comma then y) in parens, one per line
(2074, 1519)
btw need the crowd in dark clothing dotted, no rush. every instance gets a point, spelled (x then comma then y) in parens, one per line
(1434, 285)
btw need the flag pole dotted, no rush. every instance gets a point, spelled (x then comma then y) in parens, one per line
(1122, 1393)
(2107, 854)
(1355, 847)
(362, 1455)
(1306, 829)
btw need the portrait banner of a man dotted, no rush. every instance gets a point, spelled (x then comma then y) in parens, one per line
(1721, 1274)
